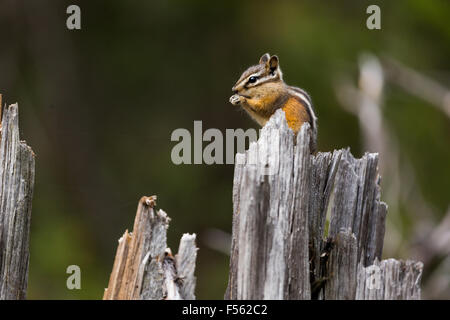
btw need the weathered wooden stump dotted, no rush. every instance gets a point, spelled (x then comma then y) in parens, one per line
(283, 245)
(144, 268)
(16, 193)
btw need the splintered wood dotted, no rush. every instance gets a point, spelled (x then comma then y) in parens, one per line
(16, 193)
(310, 226)
(144, 268)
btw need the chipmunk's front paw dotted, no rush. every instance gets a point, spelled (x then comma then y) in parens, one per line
(235, 99)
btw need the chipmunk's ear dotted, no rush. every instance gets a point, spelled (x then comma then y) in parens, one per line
(273, 63)
(264, 59)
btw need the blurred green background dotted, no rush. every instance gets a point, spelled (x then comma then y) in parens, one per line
(98, 106)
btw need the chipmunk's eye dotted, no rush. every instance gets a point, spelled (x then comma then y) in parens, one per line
(252, 79)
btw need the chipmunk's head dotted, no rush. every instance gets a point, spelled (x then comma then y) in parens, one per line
(255, 79)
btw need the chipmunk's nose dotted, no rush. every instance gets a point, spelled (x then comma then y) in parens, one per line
(234, 90)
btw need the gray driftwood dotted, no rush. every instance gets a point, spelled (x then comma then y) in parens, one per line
(144, 267)
(16, 192)
(283, 246)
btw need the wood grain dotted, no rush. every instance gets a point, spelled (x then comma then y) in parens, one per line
(144, 268)
(16, 192)
(307, 226)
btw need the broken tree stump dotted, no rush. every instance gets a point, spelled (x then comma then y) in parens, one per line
(16, 193)
(144, 268)
(310, 226)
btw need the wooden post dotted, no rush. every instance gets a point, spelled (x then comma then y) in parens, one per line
(16, 193)
(310, 226)
(144, 268)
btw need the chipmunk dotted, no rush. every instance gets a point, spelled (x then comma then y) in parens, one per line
(261, 91)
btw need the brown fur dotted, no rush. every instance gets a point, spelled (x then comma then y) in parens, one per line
(261, 98)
